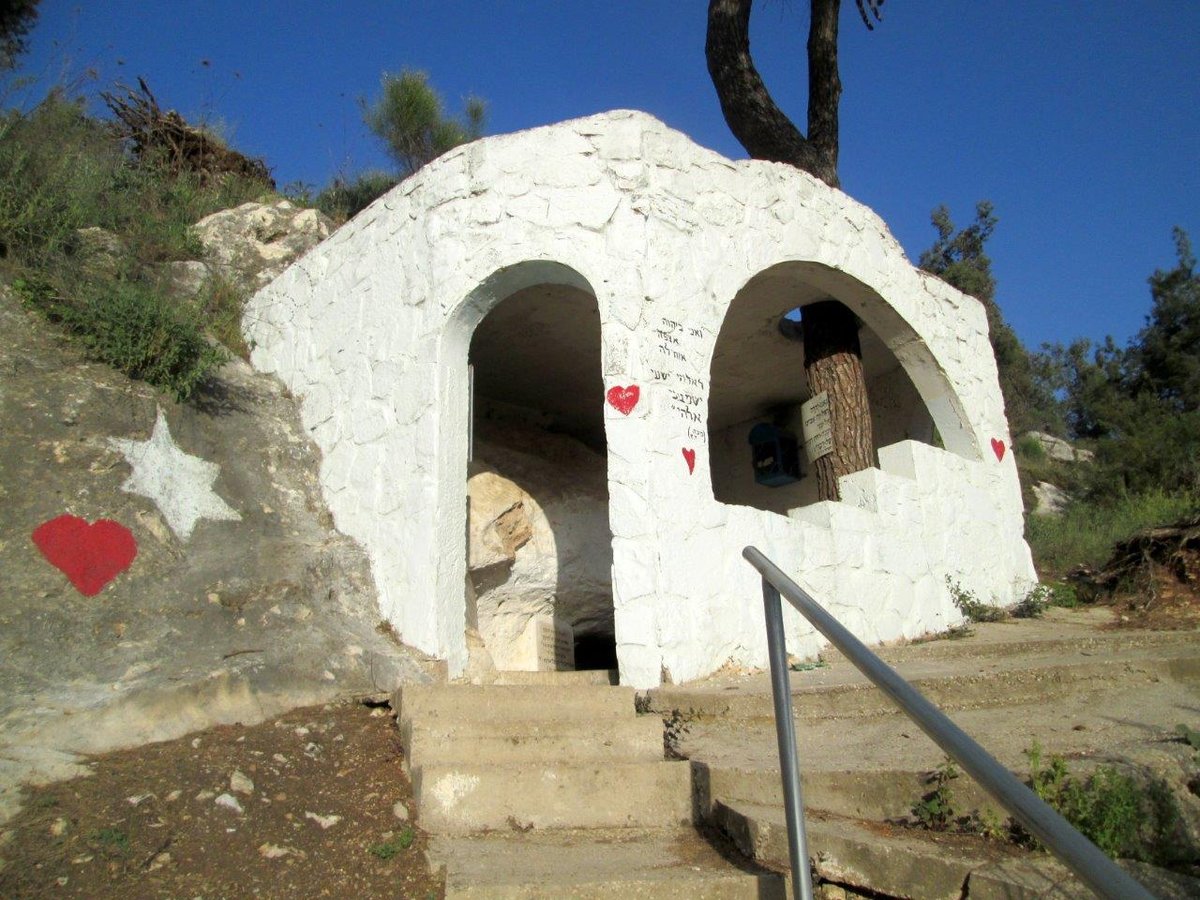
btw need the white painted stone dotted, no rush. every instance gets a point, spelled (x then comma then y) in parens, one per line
(651, 225)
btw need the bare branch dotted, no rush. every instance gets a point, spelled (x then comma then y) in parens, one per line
(875, 7)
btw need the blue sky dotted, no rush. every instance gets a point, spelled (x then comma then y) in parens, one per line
(1079, 121)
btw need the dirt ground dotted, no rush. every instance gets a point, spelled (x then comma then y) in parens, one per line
(317, 789)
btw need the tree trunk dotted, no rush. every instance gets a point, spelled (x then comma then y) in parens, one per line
(833, 359)
(833, 363)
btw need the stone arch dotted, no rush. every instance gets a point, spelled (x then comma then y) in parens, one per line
(757, 376)
(533, 331)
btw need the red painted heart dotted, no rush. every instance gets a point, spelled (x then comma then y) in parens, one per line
(624, 399)
(90, 555)
(689, 456)
(998, 448)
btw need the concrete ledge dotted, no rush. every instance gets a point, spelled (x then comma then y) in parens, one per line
(915, 865)
(671, 864)
(440, 742)
(488, 702)
(605, 795)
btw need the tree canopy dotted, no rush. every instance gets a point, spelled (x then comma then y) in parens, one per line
(960, 259)
(16, 19)
(1139, 405)
(410, 118)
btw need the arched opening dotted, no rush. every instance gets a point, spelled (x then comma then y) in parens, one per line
(758, 384)
(539, 590)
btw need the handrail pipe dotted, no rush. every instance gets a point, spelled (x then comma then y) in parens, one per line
(1079, 854)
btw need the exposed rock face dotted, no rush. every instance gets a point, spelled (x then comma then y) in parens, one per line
(186, 277)
(1051, 499)
(539, 539)
(237, 621)
(1057, 448)
(101, 250)
(256, 241)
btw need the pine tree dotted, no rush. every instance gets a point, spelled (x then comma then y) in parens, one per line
(960, 259)
(410, 118)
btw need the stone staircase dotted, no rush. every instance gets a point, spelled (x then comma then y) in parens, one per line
(559, 790)
(1090, 694)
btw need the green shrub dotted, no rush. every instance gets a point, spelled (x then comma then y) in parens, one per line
(1030, 448)
(221, 305)
(344, 199)
(1033, 605)
(63, 171)
(132, 328)
(972, 608)
(1125, 819)
(1086, 531)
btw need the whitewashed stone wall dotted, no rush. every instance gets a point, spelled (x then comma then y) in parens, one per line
(371, 331)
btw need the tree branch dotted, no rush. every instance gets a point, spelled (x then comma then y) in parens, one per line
(752, 115)
(824, 88)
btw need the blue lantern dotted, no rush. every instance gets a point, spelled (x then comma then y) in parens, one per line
(775, 455)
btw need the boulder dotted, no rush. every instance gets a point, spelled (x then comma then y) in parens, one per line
(254, 242)
(185, 278)
(101, 251)
(1051, 499)
(1058, 449)
(539, 543)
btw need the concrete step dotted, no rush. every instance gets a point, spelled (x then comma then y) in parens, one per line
(464, 798)
(500, 742)
(582, 676)
(878, 795)
(477, 703)
(1092, 724)
(890, 860)
(669, 864)
(819, 696)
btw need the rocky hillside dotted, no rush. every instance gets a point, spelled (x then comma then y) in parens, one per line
(163, 567)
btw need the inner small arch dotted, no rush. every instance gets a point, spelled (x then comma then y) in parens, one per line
(758, 377)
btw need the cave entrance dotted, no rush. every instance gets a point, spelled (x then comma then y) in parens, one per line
(539, 556)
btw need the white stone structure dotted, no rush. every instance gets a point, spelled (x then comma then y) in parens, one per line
(689, 259)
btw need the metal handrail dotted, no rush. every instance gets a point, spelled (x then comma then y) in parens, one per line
(1079, 854)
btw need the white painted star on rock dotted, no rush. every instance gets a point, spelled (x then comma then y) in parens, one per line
(180, 485)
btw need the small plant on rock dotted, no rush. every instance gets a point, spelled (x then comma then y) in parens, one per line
(974, 609)
(1191, 737)
(112, 841)
(675, 727)
(1034, 604)
(935, 810)
(394, 844)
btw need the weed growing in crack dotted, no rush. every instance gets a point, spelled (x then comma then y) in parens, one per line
(972, 608)
(394, 844)
(935, 810)
(675, 726)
